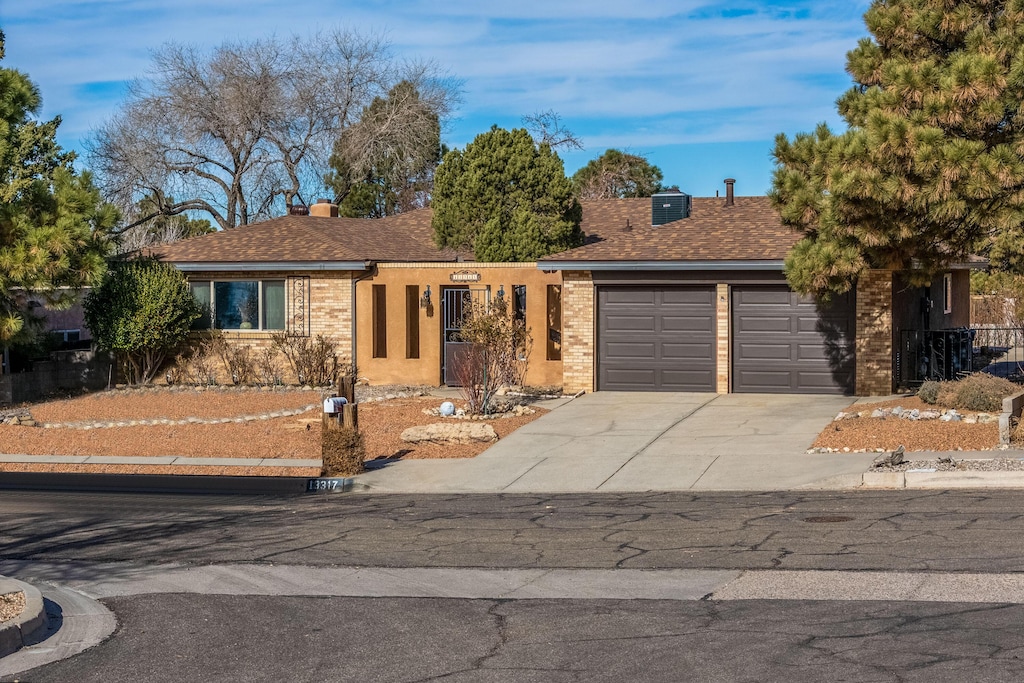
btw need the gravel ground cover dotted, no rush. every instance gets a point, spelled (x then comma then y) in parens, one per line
(11, 605)
(871, 434)
(386, 412)
(955, 465)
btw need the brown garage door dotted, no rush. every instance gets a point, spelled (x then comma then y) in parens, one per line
(656, 339)
(785, 343)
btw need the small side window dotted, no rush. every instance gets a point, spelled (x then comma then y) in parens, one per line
(412, 321)
(947, 293)
(380, 322)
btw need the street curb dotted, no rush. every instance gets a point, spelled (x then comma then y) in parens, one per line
(18, 632)
(151, 483)
(943, 480)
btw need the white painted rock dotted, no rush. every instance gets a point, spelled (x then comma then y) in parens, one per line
(451, 432)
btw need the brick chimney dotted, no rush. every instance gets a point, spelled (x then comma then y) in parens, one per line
(729, 195)
(324, 209)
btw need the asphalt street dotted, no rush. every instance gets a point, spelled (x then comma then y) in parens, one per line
(858, 586)
(899, 530)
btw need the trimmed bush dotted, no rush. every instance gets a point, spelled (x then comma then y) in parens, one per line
(929, 392)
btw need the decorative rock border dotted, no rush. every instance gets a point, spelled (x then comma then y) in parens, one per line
(107, 424)
(460, 414)
(949, 415)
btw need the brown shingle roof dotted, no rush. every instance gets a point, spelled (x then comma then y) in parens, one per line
(750, 230)
(313, 239)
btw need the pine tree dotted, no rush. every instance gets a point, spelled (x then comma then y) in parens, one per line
(506, 198)
(53, 224)
(931, 167)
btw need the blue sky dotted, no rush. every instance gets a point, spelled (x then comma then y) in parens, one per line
(699, 87)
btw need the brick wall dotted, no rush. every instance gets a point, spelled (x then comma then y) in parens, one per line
(578, 349)
(874, 333)
(722, 338)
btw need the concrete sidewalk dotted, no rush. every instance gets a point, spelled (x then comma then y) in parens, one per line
(615, 441)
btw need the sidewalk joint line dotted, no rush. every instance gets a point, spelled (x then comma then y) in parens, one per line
(658, 436)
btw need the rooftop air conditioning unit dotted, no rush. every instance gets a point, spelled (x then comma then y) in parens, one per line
(669, 206)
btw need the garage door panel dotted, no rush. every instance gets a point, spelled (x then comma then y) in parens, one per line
(627, 376)
(764, 380)
(681, 380)
(774, 324)
(628, 297)
(679, 323)
(697, 352)
(782, 342)
(822, 380)
(762, 297)
(674, 350)
(621, 351)
(754, 352)
(697, 297)
(631, 323)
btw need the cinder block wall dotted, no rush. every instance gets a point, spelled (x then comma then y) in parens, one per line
(874, 333)
(578, 347)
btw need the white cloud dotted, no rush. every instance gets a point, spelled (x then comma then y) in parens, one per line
(639, 75)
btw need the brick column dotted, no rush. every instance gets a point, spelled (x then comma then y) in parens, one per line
(722, 306)
(874, 333)
(578, 311)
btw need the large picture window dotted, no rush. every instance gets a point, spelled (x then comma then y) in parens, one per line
(240, 304)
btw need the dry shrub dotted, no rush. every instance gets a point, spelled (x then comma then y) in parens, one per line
(315, 361)
(238, 360)
(268, 369)
(197, 363)
(342, 450)
(980, 391)
(929, 391)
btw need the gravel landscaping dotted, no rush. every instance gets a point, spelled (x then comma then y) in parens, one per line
(248, 427)
(11, 605)
(856, 431)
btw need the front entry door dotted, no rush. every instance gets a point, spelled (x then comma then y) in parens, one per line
(456, 304)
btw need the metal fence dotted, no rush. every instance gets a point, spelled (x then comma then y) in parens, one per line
(1000, 351)
(943, 355)
(934, 355)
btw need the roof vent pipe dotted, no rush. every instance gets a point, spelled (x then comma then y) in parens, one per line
(298, 210)
(729, 196)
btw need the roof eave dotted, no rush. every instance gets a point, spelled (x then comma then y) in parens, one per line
(252, 266)
(764, 265)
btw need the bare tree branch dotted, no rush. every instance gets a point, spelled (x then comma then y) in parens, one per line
(241, 132)
(547, 129)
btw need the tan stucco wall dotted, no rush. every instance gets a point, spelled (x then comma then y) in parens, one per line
(396, 368)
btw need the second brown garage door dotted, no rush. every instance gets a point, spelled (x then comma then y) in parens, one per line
(656, 339)
(785, 343)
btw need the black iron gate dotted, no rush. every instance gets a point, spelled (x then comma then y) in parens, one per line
(938, 355)
(456, 305)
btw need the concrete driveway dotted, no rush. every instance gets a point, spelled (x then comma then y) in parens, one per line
(617, 441)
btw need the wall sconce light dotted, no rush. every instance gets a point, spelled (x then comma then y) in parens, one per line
(425, 299)
(501, 291)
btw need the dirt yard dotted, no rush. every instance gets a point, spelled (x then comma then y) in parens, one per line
(292, 437)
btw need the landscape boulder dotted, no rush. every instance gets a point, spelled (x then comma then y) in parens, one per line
(451, 432)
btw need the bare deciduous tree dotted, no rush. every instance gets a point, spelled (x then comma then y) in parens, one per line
(385, 162)
(547, 129)
(242, 132)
